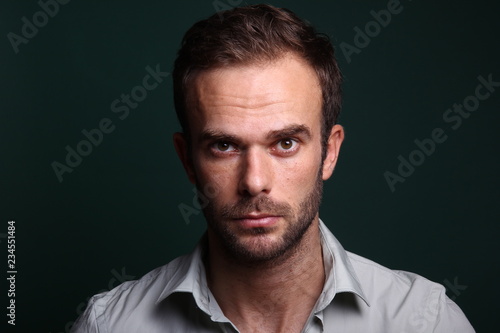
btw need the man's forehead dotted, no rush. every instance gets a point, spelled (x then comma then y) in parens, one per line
(256, 84)
(287, 89)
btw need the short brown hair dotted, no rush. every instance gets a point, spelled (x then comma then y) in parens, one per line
(256, 33)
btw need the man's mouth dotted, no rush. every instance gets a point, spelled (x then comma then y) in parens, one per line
(258, 220)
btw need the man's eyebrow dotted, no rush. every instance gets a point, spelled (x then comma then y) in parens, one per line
(291, 130)
(213, 135)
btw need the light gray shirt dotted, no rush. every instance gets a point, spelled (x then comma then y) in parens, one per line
(359, 295)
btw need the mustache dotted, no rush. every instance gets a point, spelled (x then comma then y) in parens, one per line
(249, 205)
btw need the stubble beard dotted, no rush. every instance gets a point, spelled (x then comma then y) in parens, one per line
(218, 220)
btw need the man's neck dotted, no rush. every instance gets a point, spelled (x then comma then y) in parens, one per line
(269, 297)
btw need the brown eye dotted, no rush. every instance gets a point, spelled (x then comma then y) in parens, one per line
(286, 144)
(223, 146)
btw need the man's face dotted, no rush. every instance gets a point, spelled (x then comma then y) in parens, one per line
(256, 142)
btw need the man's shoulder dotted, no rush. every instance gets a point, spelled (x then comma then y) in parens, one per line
(366, 265)
(378, 279)
(149, 285)
(413, 302)
(371, 280)
(125, 307)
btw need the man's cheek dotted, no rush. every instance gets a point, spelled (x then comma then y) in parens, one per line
(211, 191)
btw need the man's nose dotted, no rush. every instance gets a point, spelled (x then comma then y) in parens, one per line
(256, 173)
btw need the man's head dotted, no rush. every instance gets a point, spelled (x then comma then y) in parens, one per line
(254, 127)
(255, 34)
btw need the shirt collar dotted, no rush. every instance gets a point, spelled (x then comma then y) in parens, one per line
(340, 275)
(187, 274)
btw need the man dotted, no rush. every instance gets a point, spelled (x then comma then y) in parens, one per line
(257, 93)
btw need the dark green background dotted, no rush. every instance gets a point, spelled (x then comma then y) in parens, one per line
(118, 211)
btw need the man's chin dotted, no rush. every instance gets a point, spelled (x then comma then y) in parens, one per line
(258, 247)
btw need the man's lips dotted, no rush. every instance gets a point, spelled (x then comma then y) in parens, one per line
(257, 220)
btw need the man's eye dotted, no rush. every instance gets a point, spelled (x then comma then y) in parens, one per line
(224, 146)
(287, 144)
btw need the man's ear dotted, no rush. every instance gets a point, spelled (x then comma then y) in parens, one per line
(332, 150)
(182, 149)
